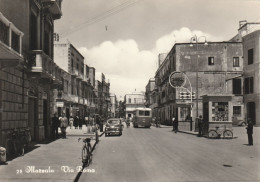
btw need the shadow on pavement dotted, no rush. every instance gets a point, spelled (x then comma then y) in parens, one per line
(33, 145)
(84, 165)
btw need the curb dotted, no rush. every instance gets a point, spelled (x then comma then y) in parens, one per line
(188, 132)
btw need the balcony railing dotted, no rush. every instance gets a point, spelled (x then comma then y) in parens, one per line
(81, 100)
(10, 40)
(41, 63)
(80, 76)
(54, 7)
(86, 102)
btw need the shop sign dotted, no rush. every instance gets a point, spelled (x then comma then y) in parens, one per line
(60, 104)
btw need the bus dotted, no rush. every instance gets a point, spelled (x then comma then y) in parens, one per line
(142, 117)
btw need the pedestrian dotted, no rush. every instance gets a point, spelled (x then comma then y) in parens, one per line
(249, 129)
(76, 121)
(71, 121)
(158, 122)
(175, 125)
(55, 125)
(97, 121)
(63, 125)
(200, 125)
(173, 122)
(80, 122)
(101, 123)
(153, 121)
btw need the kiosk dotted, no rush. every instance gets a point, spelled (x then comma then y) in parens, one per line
(217, 112)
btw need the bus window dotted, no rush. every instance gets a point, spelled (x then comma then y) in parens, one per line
(141, 113)
(147, 113)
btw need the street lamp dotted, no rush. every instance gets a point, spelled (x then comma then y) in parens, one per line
(196, 40)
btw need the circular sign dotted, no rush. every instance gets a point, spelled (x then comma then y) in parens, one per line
(177, 79)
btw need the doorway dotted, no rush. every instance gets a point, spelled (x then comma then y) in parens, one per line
(32, 119)
(45, 119)
(251, 111)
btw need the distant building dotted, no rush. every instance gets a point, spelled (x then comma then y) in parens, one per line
(71, 61)
(132, 101)
(150, 99)
(114, 106)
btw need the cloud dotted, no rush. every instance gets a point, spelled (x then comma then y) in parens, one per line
(166, 42)
(129, 68)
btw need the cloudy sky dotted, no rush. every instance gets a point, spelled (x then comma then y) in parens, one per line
(122, 38)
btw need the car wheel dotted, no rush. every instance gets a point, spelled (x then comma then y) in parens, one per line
(105, 134)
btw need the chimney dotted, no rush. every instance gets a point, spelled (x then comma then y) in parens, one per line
(242, 23)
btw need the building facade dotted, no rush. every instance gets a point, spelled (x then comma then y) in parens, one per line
(71, 61)
(132, 101)
(27, 81)
(215, 68)
(113, 112)
(251, 48)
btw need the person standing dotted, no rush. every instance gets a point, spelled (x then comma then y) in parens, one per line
(200, 126)
(55, 125)
(249, 129)
(71, 121)
(63, 125)
(76, 121)
(173, 122)
(80, 122)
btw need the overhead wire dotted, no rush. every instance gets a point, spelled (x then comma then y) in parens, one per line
(98, 18)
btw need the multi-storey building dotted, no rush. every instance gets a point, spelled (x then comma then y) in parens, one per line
(150, 100)
(28, 72)
(71, 61)
(214, 68)
(251, 48)
(103, 95)
(114, 106)
(133, 101)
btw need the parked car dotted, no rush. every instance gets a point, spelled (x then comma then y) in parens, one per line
(241, 123)
(114, 126)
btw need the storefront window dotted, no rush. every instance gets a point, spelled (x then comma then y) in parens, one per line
(220, 111)
(184, 111)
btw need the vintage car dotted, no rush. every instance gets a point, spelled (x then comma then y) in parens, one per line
(114, 126)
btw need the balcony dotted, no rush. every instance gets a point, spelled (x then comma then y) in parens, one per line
(10, 43)
(80, 76)
(81, 100)
(41, 65)
(56, 76)
(74, 99)
(74, 73)
(54, 7)
(86, 103)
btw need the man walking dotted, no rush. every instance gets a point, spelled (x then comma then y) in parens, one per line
(55, 126)
(249, 129)
(200, 126)
(63, 125)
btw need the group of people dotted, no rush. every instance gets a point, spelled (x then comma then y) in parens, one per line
(76, 121)
(63, 123)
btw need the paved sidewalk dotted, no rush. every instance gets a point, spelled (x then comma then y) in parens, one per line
(58, 160)
(238, 132)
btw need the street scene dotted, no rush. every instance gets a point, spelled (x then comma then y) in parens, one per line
(129, 90)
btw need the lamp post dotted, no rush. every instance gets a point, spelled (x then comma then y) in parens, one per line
(177, 79)
(196, 40)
